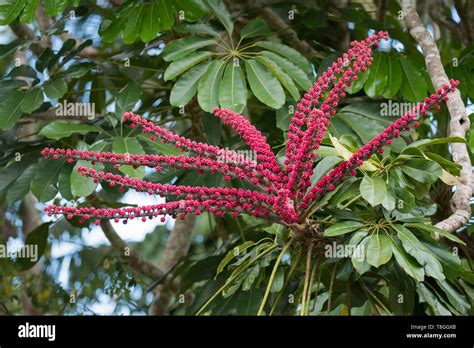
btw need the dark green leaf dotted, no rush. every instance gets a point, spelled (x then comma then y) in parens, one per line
(264, 85)
(219, 9)
(233, 91)
(57, 130)
(209, 84)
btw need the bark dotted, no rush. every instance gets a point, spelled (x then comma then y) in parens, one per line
(177, 247)
(134, 259)
(31, 219)
(459, 122)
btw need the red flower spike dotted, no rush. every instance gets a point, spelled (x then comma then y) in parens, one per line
(279, 193)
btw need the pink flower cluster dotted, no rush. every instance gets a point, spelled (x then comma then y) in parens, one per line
(281, 195)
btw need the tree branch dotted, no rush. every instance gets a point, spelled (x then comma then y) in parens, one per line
(177, 247)
(288, 34)
(459, 123)
(135, 260)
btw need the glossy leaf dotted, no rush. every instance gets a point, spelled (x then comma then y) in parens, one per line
(284, 79)
(179, 66)
(233, 90)
(373, 190)
(219, 9)
(287, 52)
(378, 250)
(185, 88)
(179, 48)
(264, 85)
(58, 129)
(209, 85)
(340, 228)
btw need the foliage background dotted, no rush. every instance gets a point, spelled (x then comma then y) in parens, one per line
(173, 61)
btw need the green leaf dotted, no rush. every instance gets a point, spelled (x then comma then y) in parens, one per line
(233, 91)
(219, 9)
(458, 301)
(43, 185)
(429, 142)
(389, 199)
(97, 95)
(9, 10)
(24, 71)
(55, 89)
(64, 182)
(284, 79)
(394, 77)
(359, 83)
(287, 52)
(165, 9)
(373, 190)
(406, 262)
(232, 254)
(278, 281)
(264, 85)
(181, 65)
(126, 99)
(436, 230)
(38, 239)
(425, 295)
(323, 167)
(283, 118)
(340, 228)
(358, 256)
(29, 11)
(420, 252)
(57, 130)
(378, 250)
(110, 33)
(414, 86)
(129, 146)
(82, 186)
(179, 48)
(164, 149)
(130, 32)
(422, 170)
(298, 75)
(10, 109)
(208, 87)
(378, 74)
(21, 186)
(256, 27)
(196, 28)
(54, 7)
(150, 22)
(185, 88)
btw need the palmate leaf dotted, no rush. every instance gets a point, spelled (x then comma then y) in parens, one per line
(284, 79)
(264, 85)
(185, 88)
(179, 48)
(209, 85)
(181, 65)
(286, 52)
(233, 89)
